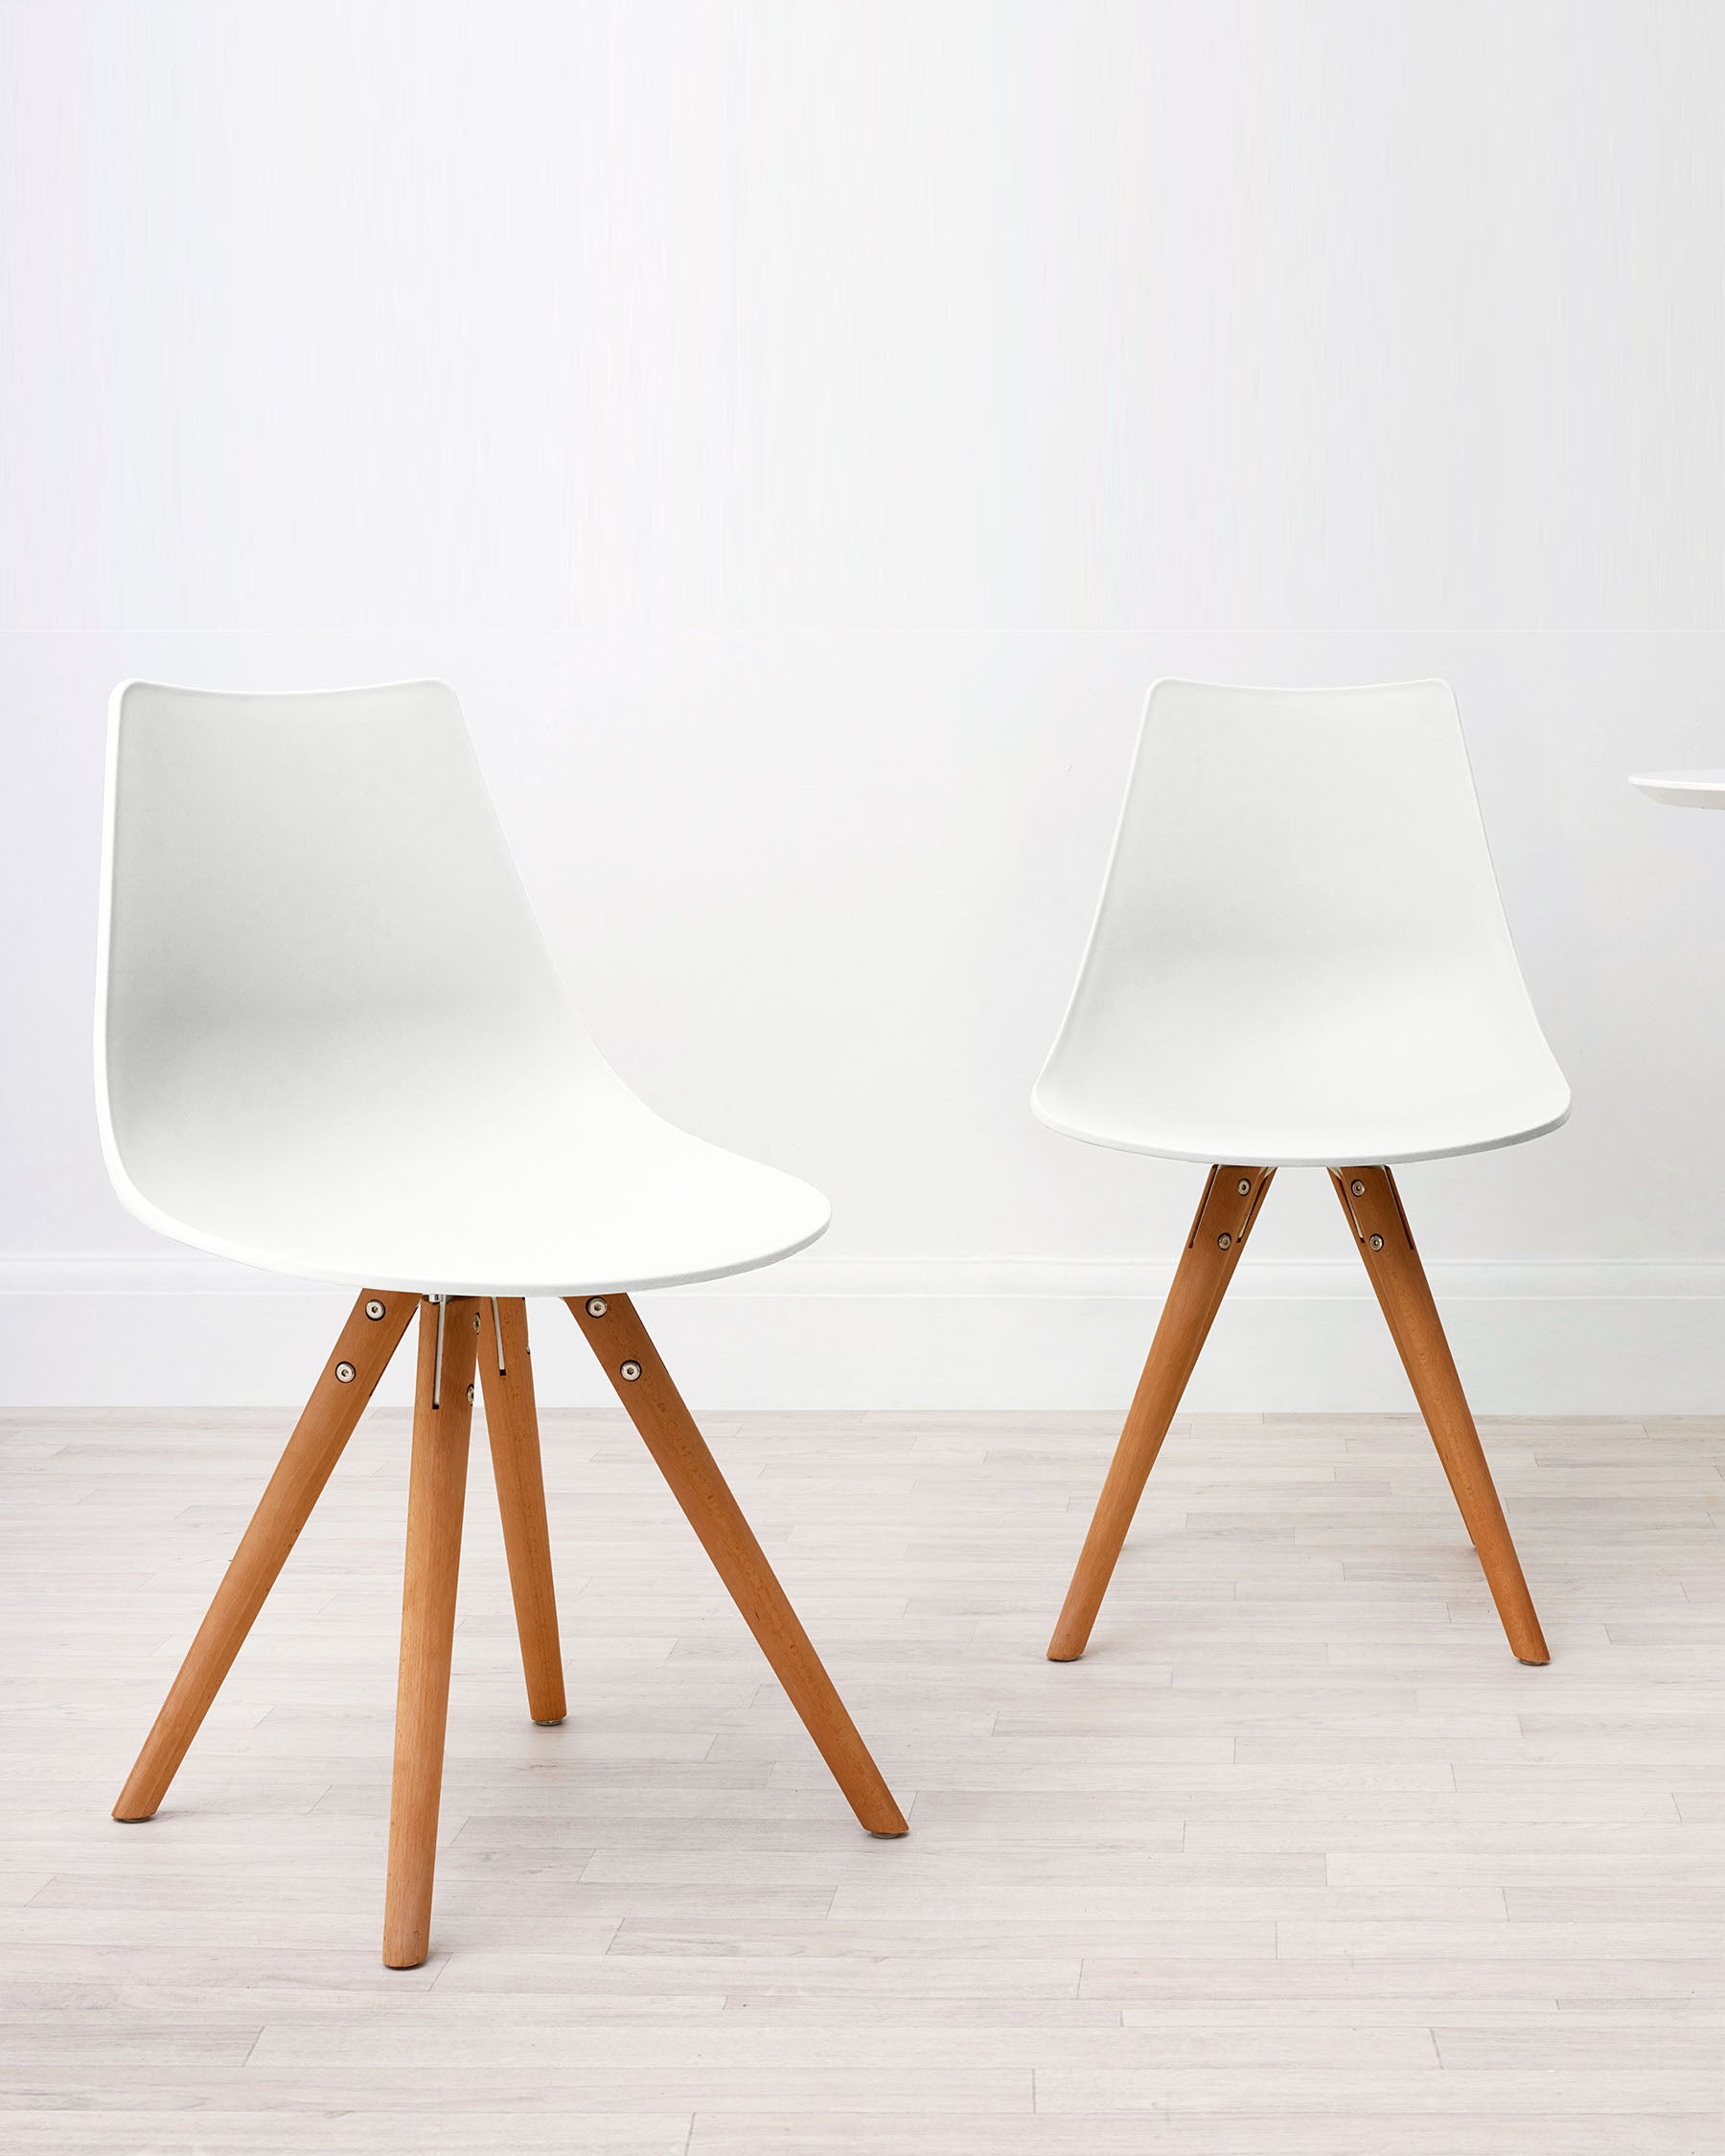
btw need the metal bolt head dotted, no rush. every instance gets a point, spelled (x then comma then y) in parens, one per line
(596, 1306)
(1357, 1188)
(630, 1371)
(469, 1395)
(344, 1373)
(1377, 1242)
(1243, 1186)
(475, 1320)
(1223, 1242)
(374, 1310)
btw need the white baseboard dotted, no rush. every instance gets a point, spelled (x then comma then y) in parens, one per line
(1529, 1339)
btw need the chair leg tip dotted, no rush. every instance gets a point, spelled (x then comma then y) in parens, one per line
(549, 1721)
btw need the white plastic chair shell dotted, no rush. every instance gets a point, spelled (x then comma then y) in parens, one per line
(329, 1040)
(1301, 956)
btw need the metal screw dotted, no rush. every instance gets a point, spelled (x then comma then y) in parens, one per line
(374, 1310)
(344, 1373)
(631, 1372)
(595, 1306)
(1377, 1242)
(475, 1320)
(1243, 1186)
(1223, 1242)
(469, 1395)
(1357, 1188)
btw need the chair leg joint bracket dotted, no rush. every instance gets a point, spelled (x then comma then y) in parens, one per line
(1229, 1207)
(1373, 1203)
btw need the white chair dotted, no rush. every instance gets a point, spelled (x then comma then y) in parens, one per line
(331, 1043)
(1300, 959)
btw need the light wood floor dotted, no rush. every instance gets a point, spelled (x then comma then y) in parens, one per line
(1298, 1859)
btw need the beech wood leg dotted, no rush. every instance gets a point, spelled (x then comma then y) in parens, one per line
(618, 1337)
(1393, 1317)
(1225, 1213)
(443, 1414)
(511, 1425)
(358, 1361)
(1374, 1211)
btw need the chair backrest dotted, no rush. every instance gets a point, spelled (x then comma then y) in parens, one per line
(307, 892)
(1300, 906)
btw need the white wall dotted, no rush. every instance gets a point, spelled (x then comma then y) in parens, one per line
(800, 432)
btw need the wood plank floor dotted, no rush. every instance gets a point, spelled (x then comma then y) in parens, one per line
(1299, 1858)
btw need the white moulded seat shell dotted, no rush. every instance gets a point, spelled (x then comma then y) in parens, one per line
(1683, 790)
(1300, 954)
(330, 1041)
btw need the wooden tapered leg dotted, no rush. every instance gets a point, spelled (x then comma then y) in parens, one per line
(1391, 1306)
(1374, 1211)
(618, 1337)
(358, 1360)
(1226, 1212)
(443, 1414)
(512, 1424)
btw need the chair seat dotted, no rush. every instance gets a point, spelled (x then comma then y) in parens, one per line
(1210, 1066)
(330, 1041)
(1300, 956)
(555, 1191)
